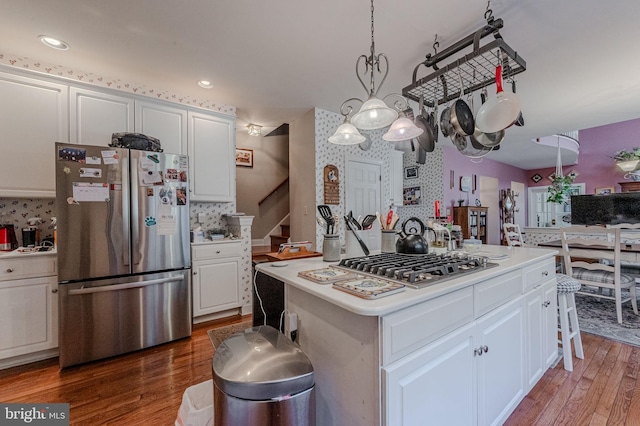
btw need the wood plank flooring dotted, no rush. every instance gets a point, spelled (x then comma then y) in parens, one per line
(146, 387)
(602, 389)
(141, 388)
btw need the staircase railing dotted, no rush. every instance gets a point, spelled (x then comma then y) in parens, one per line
(275, 191)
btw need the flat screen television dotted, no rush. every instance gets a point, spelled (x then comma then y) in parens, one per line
(605, 209)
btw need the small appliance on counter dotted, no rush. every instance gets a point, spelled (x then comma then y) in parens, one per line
(31, 234)
(8, 240)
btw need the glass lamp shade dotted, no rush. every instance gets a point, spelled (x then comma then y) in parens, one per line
(374, 114)
(401, 130)
(347, 134)
(628, 166)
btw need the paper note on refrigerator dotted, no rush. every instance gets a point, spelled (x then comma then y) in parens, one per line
(167, 220)
(85, 191)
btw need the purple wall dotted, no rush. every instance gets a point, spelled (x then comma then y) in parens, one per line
(596, 166)
(463, 166)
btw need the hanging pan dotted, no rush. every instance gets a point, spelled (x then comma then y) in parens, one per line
(422, 121)
(445, 122)
(461, 116)
(499, 112)
(487, 139)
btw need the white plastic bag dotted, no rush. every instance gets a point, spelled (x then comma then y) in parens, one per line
(197, 405)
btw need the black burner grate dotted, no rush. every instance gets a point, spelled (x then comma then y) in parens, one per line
(415, 270)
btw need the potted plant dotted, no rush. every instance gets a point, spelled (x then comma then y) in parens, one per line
(628, 161)
(560, 189)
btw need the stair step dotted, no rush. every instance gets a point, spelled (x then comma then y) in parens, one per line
(276, 240)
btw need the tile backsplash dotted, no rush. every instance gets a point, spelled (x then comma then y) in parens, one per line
(16, 212)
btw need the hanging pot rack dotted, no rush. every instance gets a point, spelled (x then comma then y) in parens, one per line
(476, 70)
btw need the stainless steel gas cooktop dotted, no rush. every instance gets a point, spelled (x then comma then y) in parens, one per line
(416, 271)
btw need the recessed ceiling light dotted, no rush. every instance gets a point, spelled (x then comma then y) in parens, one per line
(53, 42)
(205, 84)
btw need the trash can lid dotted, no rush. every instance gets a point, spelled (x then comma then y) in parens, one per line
(260, 363)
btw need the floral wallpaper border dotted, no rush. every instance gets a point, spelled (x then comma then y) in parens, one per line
(112, 83)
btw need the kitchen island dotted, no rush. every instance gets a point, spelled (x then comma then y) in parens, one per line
(464, 351)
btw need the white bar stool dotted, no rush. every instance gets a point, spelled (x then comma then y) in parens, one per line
(569, 328)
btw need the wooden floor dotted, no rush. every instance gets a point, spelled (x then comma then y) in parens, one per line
(142, 388)
(146, 387)
(602, 389)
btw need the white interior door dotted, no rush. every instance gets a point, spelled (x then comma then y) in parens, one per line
(489, 195)
(363, 194)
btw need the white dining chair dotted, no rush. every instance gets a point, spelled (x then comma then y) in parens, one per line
(512, 235)
(583, 249)
(629, 234)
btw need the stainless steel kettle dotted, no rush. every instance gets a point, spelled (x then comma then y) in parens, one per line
(412, 241)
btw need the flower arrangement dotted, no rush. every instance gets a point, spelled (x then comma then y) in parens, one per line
(624, 155)
(560, 188)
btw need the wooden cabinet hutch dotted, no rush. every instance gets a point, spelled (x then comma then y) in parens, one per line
(631, 186)
(473, 221)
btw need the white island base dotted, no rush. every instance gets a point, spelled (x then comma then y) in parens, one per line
(463, 352)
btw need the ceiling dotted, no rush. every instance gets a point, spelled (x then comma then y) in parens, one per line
(276, 59)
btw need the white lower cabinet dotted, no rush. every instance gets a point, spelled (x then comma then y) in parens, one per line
(473, 376)
(28, 308)
(541, 324)
(215, 277)
(435, 385)
(499, 353)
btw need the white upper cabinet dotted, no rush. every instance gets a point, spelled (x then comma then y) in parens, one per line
(163, 122)
(211, 151)
(35, 113)
(33, 116)
(95, 116)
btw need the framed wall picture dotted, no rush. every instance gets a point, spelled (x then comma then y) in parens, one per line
(606, 190)
(411, 196)
(411, 172)
(244, 157)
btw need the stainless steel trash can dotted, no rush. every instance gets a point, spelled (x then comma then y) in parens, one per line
(261, 378)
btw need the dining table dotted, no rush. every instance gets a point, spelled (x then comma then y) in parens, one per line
(628, 252)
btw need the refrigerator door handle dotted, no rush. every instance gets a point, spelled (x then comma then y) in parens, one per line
(126, 286)
(135, 210)
(126, 216)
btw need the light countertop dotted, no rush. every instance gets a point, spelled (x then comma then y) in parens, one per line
(287, 272)
(22, 253)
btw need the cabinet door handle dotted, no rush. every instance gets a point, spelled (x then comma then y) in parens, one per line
(546, 303)
(55, 290)
(485, 348)
(195, 272)
(545, 273)
(217, 251)
(478, 352)
(9, 270)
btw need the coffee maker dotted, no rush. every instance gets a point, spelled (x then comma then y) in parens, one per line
(8, 240)
(31, 234)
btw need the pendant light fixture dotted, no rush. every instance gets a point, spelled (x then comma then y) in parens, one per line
(558, 161)
(347, 134)
(375, 113)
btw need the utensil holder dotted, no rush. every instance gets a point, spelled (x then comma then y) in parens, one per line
(352, 246)
(331, 248)
(388, 241)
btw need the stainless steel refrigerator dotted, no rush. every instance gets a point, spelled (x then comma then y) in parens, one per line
(123, 250)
